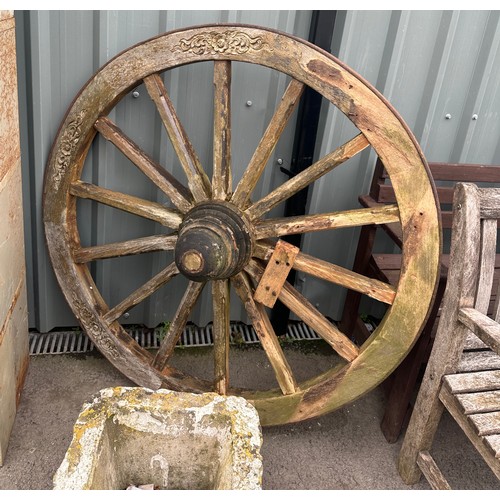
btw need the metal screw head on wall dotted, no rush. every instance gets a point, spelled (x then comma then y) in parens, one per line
(135, 94)
(474, 116)
(447, 116)
(249, 103)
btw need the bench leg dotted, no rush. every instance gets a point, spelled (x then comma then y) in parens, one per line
(421, 430)
(405, 377)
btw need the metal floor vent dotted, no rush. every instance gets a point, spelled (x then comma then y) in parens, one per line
(75, 341)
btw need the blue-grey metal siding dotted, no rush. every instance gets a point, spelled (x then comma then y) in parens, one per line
(59, 51)
(427, 63)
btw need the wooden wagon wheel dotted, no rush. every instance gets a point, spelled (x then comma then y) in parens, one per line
(221, 238)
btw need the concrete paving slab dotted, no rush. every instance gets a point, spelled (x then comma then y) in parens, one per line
(344, 450)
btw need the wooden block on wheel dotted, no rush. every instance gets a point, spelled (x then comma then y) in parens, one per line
(277, 270)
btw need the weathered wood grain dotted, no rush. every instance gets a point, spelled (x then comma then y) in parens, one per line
(394, 230)
(265, 332)
(478, 360)
(464, 421)
(472, 382)
(465, 172)
(373, 288)
(300, 306)
(486, 423)
(496, 305)
(178, 194)
(472, 343)
(197, 179)
(141, 293)
(308, 176)
(473, 398)
(221, 177)
(178, 323)
(131, 204)
(321, 222)
(487, 264)
(493, 443)
(450, 335)
(221, 331)
(363, 106)
(276, 272)
(490, 203)
(479, 402)
(130, 247)
(431, 471)
(485, 328)
(267, 143)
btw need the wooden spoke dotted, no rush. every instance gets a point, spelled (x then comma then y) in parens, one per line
(221, 330)
(131, 247)
(142, 293)
(221, 180)
(308, 176)
(137, 206)
(299, 305)
(179, 194)
(266, 334)
(267, 143)
(174, 333)
(321, 222)
(198, 181)
(335, 274)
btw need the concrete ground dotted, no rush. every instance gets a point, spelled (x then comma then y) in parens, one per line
(344, 450)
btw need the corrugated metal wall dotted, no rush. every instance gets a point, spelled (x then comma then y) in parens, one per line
(61, 51)
(428, 64)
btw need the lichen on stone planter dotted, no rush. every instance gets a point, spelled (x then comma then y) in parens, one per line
(175, 440)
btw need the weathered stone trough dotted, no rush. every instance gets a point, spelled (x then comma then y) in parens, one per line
(136, 436)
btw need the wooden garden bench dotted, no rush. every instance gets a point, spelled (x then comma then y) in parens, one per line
(463, 371)
(401, 385)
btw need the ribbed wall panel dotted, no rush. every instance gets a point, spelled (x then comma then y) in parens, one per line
(59, 52)
(427, 63)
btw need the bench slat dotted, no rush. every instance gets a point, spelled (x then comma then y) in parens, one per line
(485, 446)
(458, 383)
(493, 443)
(386, 194)
(486, 424)
(462, 172)
(479, 402)
(478, 361)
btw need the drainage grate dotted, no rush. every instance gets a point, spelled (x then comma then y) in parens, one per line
(75, 341)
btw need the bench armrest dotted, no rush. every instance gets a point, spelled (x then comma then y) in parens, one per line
(483, 327)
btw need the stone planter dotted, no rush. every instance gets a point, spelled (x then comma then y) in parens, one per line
(136, 436)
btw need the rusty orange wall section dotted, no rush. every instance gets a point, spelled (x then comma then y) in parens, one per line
(13, 308)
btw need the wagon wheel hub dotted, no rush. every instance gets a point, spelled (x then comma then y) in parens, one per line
(214, 243)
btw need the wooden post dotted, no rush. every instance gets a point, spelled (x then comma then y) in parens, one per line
(13, 308)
